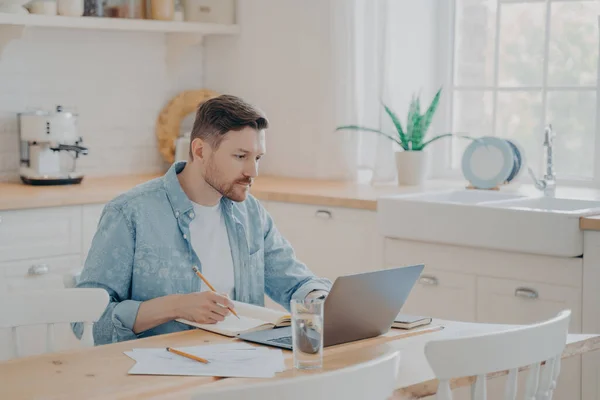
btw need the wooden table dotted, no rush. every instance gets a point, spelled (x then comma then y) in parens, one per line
(101, 372)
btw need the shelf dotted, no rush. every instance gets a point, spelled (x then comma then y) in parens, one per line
(116, 24)
(179, 35)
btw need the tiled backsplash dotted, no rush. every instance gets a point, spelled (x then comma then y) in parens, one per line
(117, 81)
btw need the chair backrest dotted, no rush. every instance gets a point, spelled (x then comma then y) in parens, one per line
(478, 355)
(50, 307)
(373, 380)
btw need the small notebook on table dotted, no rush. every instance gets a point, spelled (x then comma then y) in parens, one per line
(406, 321)
(252, 318)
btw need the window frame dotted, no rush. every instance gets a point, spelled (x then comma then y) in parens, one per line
(441, 152)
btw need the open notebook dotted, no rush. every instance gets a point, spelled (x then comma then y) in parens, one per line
(252, 318)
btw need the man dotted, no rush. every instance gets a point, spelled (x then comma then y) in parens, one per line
(199, 214)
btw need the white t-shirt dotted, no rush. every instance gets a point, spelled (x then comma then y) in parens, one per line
(211, 244)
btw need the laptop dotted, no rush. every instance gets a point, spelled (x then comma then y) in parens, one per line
(359, 306)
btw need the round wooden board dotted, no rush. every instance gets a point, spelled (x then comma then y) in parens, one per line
(169, 120)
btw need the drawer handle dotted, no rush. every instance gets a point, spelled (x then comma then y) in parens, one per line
(323, 214)
(38, 269)
(526, 293)
(428, 280)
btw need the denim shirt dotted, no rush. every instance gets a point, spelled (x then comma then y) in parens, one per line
(142, 250)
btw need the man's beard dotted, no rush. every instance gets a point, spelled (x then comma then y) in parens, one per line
(226, 189)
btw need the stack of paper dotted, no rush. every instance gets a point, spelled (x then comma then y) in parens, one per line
(239, 360)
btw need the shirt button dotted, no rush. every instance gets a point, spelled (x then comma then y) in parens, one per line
(177, 214)
(191, 215)
(185, 236)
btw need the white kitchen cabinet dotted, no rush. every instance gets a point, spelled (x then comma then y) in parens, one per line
(331, 241)
(90, 216)
(442, 294)
(483, 262)
(39, 233)
(506, 301)
(591, 313)
(37, 274)
(39, 249)
(493, 286)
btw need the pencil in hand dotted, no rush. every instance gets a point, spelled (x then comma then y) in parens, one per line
(186, 355)
(211, 287)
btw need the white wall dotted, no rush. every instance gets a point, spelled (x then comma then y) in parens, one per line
(117, 81)
(282, 62)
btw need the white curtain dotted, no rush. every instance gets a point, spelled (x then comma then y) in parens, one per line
(360, 32)
(386, 50)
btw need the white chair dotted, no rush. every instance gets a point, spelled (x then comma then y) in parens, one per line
(373, 380)
(528, 345)
(50, 307)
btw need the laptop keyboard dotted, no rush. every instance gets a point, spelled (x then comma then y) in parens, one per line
(287, 340)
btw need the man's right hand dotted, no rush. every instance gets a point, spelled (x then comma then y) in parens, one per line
(203, 307)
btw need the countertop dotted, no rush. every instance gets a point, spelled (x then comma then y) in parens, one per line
(99, 190)
(14, 196)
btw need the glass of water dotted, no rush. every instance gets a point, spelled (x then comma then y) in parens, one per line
(307, 333)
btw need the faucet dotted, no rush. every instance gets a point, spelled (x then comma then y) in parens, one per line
(548, 183)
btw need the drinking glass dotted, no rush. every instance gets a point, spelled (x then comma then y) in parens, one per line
(307, 333)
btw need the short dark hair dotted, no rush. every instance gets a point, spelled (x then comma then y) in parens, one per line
(219, 115)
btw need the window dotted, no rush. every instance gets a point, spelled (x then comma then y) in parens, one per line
(518, 65)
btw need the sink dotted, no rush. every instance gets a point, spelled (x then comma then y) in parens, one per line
(461, 196)
(487, 219)
(552, 204)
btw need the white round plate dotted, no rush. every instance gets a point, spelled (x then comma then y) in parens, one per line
(488, 162)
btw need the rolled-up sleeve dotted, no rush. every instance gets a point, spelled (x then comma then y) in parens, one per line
(286, 277)
(109, 266)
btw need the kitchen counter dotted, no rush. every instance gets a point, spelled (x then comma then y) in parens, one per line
(591, 223)
(98, 190)
(14, 196)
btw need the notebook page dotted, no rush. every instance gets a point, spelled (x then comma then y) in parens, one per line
(230, 324)
(257, 312)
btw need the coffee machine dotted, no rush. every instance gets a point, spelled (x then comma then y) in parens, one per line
(46, 138)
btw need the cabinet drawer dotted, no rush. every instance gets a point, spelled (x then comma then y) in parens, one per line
(442, 294)
(490, 263)
(47, 273)
(506, 301)
(322, 213)
(35, 274)
(39, 233)
(331, 241)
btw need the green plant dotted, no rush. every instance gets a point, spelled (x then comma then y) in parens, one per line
(417, 125)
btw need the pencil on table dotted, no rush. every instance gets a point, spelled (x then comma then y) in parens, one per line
(211, 288)
(190, 356)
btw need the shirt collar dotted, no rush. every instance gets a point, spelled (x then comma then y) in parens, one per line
(180, 203)
(177, 197)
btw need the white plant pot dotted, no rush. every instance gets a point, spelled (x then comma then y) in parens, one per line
(412, 167)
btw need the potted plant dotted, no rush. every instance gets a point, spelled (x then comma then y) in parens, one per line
(411, 161)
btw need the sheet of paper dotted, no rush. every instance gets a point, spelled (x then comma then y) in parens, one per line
(227, 360)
